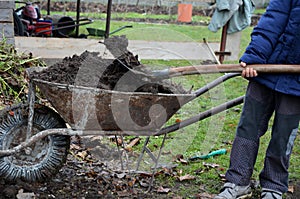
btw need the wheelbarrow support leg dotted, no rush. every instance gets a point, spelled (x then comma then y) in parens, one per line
(31, 100)
(119, 151)
(156, 163)
(142, 153)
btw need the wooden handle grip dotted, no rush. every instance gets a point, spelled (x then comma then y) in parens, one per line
(233, 68)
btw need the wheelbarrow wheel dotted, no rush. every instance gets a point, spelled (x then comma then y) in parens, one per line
(41, 160)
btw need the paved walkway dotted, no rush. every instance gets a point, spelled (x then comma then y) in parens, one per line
(58, 48)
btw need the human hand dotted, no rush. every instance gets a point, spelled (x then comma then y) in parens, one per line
(248, 71)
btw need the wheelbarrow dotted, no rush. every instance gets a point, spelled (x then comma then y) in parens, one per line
(34, 138)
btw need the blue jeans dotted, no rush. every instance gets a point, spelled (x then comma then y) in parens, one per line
(259, 105)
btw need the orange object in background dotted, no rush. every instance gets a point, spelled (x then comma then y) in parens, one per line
(43, 28)
(185, 12)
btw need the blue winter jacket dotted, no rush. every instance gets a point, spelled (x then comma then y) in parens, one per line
(276, 40)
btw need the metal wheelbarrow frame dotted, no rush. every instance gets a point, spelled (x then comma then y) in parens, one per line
(59, 135)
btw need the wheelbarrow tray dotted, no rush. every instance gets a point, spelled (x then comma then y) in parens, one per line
(95, 32)
(101, 33)
(86, 108)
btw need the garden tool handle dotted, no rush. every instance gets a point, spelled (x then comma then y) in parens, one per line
(226, 68)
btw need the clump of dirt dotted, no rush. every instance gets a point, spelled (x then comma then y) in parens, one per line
(91, 70)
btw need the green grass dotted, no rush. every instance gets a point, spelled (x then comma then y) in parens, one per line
(259, 11)
(147, 31)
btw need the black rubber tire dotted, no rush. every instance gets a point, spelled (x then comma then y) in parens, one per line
(46, 156)
(64, 32)
(18, 25)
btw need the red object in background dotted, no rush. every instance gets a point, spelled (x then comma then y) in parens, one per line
(185, 12)
(43, 27)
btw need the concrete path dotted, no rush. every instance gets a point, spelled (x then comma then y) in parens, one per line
(58, 48)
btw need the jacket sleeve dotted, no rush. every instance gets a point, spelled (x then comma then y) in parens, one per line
(267, 32)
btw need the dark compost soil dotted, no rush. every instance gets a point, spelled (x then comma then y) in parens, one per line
(91, 70)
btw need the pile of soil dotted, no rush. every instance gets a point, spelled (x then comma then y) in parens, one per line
(91, 70)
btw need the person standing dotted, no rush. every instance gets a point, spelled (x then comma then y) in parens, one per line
(275, 40)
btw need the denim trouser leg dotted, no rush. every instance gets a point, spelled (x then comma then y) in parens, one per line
(260, 103)
(255, 116)
(285, 129)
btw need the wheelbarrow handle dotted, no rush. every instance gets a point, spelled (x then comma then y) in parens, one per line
(225, 68)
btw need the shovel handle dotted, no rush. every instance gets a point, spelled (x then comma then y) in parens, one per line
(230, 68)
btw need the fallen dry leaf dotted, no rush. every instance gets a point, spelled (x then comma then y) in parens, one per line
(82, 154)
(133, 142)
(210, 165)
(75, 147)
(291, 189)
(120, 175)
(144, 183)
(186, 177)
(222, 176)
(131, 183)
(183, 161)
(92, 174)
(161, 189)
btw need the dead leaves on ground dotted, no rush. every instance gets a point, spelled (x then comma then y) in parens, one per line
(126, 184)
(84, 176)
